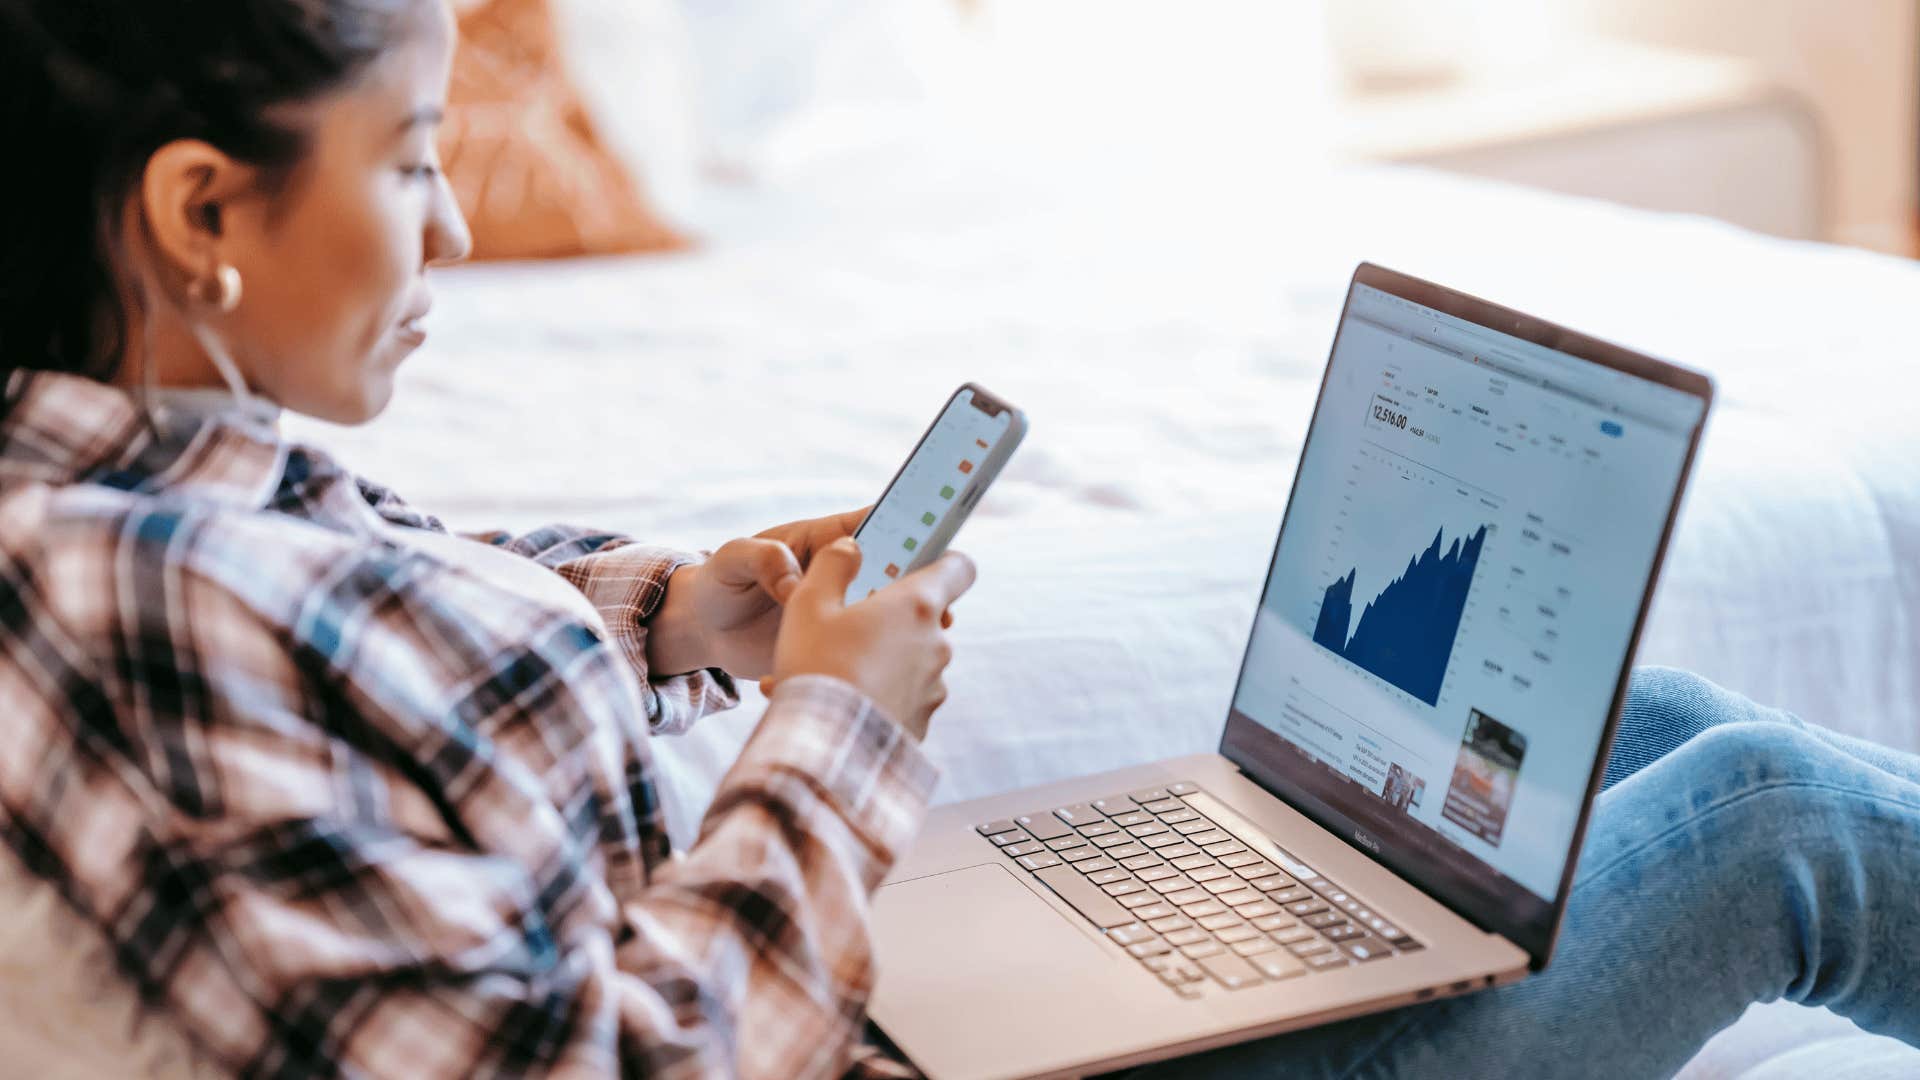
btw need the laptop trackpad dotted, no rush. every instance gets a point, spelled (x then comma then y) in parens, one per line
(967, 960)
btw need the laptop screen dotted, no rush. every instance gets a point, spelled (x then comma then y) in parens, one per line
(1440, 645)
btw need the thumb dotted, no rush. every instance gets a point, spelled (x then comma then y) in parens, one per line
(774, 568)
(831, 572)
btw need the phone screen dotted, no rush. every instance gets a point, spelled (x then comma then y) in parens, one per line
(935, 489)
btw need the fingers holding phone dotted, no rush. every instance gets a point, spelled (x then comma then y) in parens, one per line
(892, 646)
(882, 627)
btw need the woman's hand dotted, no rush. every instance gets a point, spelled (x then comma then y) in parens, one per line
(891, 645)
(725, 612)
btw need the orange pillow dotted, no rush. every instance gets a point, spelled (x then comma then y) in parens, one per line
(530, 172)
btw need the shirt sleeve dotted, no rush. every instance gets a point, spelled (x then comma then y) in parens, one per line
(626, 582)
(455, 866)
(623, 580)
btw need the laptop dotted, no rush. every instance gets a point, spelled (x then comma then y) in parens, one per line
(1419, 728)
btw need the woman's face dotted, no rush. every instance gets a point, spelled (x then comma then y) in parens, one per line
(333, 265)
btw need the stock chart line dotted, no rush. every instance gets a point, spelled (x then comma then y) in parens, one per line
(1405, 634)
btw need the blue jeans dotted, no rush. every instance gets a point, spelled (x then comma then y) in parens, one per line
(1737, 854)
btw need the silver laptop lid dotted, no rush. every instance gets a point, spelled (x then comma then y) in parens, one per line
(1443, 643)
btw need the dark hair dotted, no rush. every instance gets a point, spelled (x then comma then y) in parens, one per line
(89, 89)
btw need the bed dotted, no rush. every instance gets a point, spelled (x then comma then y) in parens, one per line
(1167, 346)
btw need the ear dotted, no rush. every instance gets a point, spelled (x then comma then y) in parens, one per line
(184, 192)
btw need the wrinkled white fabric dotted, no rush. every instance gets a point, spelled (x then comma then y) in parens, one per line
(1167, 351)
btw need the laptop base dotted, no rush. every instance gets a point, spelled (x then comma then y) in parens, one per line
(988, 971)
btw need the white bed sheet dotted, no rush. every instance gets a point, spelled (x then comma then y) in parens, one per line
(1167, 348)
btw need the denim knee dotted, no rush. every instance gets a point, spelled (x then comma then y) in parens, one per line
(1672, 695)
(1664, 709)
(1731, 759)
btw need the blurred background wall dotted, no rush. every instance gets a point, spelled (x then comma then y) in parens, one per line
(1854, 62)
(1799, 118)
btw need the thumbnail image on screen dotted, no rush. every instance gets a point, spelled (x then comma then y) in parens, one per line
(1484, 777)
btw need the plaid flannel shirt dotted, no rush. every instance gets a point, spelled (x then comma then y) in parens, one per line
(343, 808)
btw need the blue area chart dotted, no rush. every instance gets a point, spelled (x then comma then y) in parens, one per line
(1406, 634)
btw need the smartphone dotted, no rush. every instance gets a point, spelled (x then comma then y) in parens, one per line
(932, 494)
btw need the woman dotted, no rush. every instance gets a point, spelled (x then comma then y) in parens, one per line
(347, 794)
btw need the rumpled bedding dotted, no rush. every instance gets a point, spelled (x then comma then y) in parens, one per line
(1167, 345)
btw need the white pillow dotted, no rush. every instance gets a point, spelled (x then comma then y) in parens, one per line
(633, 65)
(1204, 91)
(763, 66)
(64, 1009)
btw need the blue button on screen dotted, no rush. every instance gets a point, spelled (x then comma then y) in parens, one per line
(1608, 427)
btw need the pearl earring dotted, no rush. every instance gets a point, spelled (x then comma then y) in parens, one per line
(220, 290)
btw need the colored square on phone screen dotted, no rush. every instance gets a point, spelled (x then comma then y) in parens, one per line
(892, 570)
(966, 466)
(910, 543)
(947, 492)
(926, 518)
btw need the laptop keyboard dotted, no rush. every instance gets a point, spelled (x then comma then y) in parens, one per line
(1187, 899)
